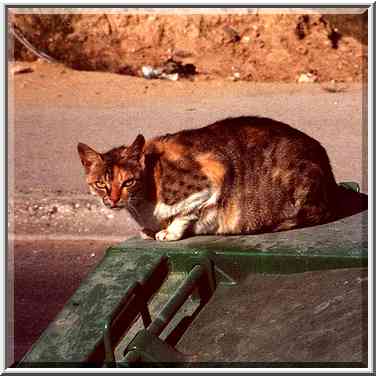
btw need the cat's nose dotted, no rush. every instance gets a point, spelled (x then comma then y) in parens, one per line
(113, 203)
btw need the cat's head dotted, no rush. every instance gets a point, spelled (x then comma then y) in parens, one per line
(117, 175)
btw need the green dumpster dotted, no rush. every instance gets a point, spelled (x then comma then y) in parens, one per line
(143, 304)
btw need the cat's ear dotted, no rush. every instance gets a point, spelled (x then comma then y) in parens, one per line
(135, 151)
(88, 156)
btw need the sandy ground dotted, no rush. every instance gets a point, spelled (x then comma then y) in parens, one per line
(59, 231)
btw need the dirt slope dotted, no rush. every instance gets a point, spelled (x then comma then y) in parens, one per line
(250, 46)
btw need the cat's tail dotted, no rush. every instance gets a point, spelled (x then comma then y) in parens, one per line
(347, 201)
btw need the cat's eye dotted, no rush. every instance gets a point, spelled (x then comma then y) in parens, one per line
(100, 184)
(128, 183)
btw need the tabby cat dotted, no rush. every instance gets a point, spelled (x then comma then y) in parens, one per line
(242, 175)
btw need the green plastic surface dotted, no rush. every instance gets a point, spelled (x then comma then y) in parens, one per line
(338, 244)
(78, 329)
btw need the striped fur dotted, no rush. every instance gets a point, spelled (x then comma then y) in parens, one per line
(237, 176)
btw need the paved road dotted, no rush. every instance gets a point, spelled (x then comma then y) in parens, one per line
(46, 134)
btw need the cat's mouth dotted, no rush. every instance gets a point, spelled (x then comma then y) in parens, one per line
(110, 205)
(117, 207)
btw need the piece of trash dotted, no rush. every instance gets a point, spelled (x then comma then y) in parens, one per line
(92, 255)
(20, 70)
(171, 77)
(236, 75)
(184, 70)
(150, 72)
(170, 70)
(307, 78)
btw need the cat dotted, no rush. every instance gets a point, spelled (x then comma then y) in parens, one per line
(243, 175)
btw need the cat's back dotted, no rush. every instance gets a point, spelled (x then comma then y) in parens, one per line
(235, 136)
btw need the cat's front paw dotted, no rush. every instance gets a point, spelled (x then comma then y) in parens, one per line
(167, 236)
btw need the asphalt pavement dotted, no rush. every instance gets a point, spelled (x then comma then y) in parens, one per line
(46, 134)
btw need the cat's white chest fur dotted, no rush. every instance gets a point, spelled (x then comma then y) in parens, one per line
(190, 204)
(186, 213)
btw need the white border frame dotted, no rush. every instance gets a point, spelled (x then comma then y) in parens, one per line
(221, 4)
